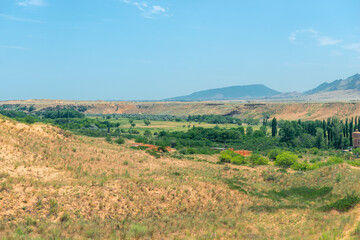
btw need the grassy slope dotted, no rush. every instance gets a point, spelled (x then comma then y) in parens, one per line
(55, 185)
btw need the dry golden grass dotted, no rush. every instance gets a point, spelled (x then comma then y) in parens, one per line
(60, 186)
(282, 110)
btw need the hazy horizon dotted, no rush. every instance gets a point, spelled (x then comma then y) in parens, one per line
(152, 50)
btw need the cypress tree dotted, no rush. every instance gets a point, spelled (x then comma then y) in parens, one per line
(274, 127)
(351, 128)
(356, 123)
(324, 128)
(328, 129)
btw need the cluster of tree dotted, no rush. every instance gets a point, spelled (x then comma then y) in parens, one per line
(214, 119)
(330, 133)
(16, 107)
(63, 113)
(199, 138)
(229, 156)
(150, 117)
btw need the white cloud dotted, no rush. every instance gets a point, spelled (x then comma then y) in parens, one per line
(158, 9)
(13, 18)
(37, 3)
(324, 41)
(146, 9)
(320, 39)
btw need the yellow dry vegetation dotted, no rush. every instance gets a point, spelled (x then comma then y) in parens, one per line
(55, 185)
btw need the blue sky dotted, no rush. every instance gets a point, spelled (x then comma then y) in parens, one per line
(154, 49)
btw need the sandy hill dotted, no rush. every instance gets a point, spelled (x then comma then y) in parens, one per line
(55, 185)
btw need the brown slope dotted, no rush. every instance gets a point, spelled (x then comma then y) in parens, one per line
(287, 111)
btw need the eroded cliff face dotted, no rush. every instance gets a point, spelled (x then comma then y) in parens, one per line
(287, 111)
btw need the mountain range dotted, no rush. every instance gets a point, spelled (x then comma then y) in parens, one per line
(342, 89)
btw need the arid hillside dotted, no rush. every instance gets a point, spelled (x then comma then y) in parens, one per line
(60, 186)
(286, 111)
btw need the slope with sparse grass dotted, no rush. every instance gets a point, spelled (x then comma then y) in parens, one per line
(60, 186)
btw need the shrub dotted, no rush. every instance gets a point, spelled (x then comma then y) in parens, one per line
(331, 161)
(356, 150)
(238, 160)
(335, 160)
(344, 204)
(141, 139)
(65, 217)
(229, 156)
(274, 153)
(226, 156)
(153, 153)
(355, 163)
(257, 159)
(314, 150)
(313, 166)
(300, 166)
(316, 159)
(120, 140)
(191, 151)
(286, 159)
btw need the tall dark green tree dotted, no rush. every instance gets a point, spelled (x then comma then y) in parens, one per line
(356, 123)
(324, 128)
(274, 127)
(351, 129)
(328, 129)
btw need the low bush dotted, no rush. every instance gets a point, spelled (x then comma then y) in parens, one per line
(153, 153)
(355, 163)
(331, 161)
(238, 160)
(229, 156)
(314, 150)
(286, 159)
(257, 159)
(300, 166)
(316, 159)
(120, 140)
(344, 204)
(274, 153)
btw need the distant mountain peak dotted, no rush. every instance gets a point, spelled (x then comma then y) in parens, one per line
(329, 90)
(350, 83)
(252, 91)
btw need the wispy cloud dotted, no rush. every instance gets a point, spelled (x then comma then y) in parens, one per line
(14, 47)
(13, 18)
(157, 9)
(36, 3)
(147, 10)
(320, 39)
(353, 46)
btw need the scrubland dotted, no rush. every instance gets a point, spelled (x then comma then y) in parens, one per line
(56, 185)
